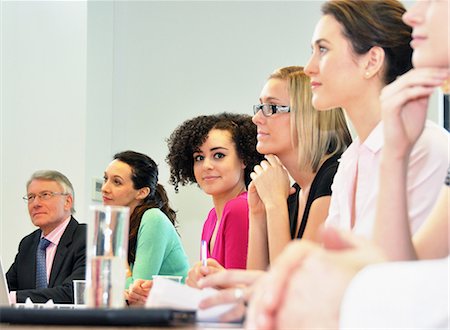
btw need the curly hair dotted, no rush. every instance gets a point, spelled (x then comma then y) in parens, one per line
(190, 135)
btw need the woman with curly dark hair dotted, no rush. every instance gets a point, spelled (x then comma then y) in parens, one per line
(218, 152)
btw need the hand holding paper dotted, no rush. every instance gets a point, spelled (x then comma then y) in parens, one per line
(169, 294)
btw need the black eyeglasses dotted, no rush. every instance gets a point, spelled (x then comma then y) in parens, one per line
(269, 109)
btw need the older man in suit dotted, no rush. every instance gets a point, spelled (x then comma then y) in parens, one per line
(51, 257)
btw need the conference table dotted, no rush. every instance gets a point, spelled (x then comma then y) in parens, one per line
(104, 319)
(196, 326)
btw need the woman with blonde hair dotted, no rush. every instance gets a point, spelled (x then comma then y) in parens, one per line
(300, 142)
(308, 152)
(356, 298)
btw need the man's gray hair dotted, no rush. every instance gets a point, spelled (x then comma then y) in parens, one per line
(59, 178)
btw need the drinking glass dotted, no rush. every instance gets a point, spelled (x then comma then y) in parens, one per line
(107, 250)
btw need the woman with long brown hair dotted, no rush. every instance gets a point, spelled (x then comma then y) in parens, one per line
(155, 248)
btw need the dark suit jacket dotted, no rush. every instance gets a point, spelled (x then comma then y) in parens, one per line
(69, 264)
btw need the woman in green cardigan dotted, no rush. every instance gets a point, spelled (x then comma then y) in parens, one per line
(154, 247)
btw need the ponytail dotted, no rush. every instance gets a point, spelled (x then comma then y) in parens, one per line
(157, 199)
(163, 204)
(144, 173)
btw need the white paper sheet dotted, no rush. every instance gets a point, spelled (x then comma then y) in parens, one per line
(169, 294)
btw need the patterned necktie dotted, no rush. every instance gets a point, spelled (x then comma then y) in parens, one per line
(41, 269)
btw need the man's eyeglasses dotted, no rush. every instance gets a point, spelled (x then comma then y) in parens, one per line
(43, 196)
(269, 109)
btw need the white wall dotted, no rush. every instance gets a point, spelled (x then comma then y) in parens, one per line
(175, 60)
(43, 105)
(99, 92)
(83, 80)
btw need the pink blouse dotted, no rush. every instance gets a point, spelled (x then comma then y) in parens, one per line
(231, 245)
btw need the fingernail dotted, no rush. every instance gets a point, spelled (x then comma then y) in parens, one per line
(204, 303)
